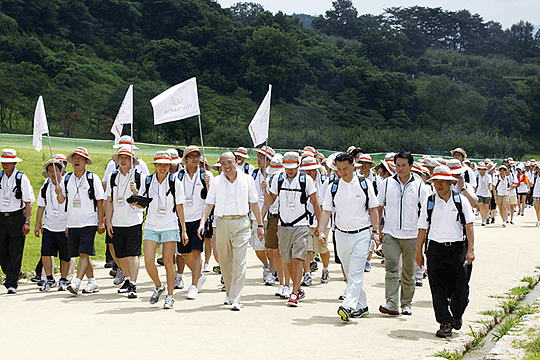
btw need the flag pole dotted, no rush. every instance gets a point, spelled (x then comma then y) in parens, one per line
(50, 148)
(202, 144)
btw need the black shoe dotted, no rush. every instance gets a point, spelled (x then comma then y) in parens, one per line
(360, 312)
(40, 283)
(132, 291)
(444, 331)
(313, 266)
(344, 313)
(35, 279)
(160, 261)
(458, 324)
(125, 288)
(21, 275)
(113, 272)
(109, 264)
(217, 269)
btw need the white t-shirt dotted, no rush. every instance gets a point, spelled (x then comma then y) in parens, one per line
(445, 225)
(194, 204)
(81, 211)
(522, 188)
(501, 185)
(321, 187)
(230, 202)
(290, 207)
(512, 180)
(111, 166)
(9, 203)
(483, 188)
(124, 215)
(260, 196)
(472, 176)
(350, 204)
(161, 214)
(274, 208)
(55, 215)
(536, 190)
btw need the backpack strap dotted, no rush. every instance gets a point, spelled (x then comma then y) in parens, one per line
(303, 199)
(91, 190)
(137, 179)
(172, 191)
(323, 178)
(1, 176)
(375, 184)
(181, 174)
(147, 183)
(18, 186)
(246, 167)
(467, 176)
(333, 190)
(44, 190)
(114, 175)
(364, 186)
(66, 181)
(255, 173)
(204, 191)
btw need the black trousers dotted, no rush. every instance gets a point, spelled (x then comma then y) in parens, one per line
(448, 279)
(11, 246)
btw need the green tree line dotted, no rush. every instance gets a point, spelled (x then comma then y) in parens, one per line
(412, 78)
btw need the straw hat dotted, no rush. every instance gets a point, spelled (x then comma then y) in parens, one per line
(266, 151)
(442, 173)
(291, 160)
(365, 158)
(125, 140)
(276, 165)
(175, 159)
(9, 156)
(125, 151)
(45, 173)
(81, 152)
(460, 151)
(241, 151)
(309, 163)
(161, 157)
(455, 167)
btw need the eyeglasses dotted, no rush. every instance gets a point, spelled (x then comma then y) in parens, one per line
(193, 156)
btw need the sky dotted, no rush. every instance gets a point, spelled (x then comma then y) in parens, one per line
(507, 12)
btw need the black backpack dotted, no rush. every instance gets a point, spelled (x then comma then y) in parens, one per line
(459, 206)
(534, 183)
(18, 184)
(172, 188)
(303, 199)
(246, 168)
(114, 175)
(363, 185)
(91, 190)
(204, 191)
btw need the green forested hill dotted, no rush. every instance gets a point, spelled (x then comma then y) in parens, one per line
(414, 78)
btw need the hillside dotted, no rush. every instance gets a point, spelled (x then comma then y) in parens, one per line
(415, 78)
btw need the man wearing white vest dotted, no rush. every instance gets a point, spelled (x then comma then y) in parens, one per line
(232, 194)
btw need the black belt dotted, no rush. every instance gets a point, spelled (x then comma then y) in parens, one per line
(13, 213)
(353, 231)
(448, 243)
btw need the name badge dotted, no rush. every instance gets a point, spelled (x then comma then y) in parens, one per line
(120, 202)
(291, 206)
(161, 212)
(55, 212)
(77, 202)
(189, 202)
(5, 201)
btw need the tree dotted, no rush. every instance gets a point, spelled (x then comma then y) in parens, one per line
(245, 12)
(342, 20)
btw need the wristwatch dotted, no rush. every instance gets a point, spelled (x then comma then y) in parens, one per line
(260, 225)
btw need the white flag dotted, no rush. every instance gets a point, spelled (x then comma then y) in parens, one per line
(124, 116)
(40, 124)
(177, 103)
(258, 127)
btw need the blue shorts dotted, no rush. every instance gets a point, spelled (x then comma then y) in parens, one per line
(161, 236)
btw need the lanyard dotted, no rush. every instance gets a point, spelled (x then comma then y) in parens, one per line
(158, 192)
(78, 183)
(50, 191)
(195, 177)
(7, 184)
(287, 193)
(125, 185)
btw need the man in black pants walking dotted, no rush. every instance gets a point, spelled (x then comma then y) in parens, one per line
(446, 221)
(15, 214)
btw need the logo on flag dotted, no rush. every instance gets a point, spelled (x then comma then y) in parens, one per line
(40, 125)
(177, 103)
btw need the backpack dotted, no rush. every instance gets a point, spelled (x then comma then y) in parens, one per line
(113, 181)
(363, 185)
(534, 183)
(18, 184)
(459, 206)
(375, 185)
(91, 190)
(467, 177)
(44, 190)
(172, 188)
(246, 167)
(204, 191)
(303, 199)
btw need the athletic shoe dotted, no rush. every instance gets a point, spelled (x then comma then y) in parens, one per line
(458, 324)
(293, 300)
(125, 288)
(343, 296)
(344, 313)
(21, 275)
(368, 267)
(444, 331)
(206, 267)
(280, 290)
(119, 278)
(511, 222)
(223, 288)
(522, 214)
(48, 285)
(91, 288)
(503, 225)
(313, 266)
(317, 257)
(483, 223)
(217, 269)
(493, 220)
(62, 285)
(11, 290)
(358, 313)
(132, 291)
(325, 276)
(406, 310)
(160, 261)
(74, 286)
(35, 279)
(286, 292)
(419, 282)
(270, 279)
(301, 294)
(235, 307)
(385, 309)
(192, 292)
(226, 301)
(169, 302)
(221, 280)
(158, 290)
(538, 223)
(112, 272)
(307, 280)
(266, 270)
(201, 281)
(40, 283)
(178, 282)
(109, 264)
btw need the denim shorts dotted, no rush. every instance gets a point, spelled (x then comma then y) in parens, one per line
(161, 236)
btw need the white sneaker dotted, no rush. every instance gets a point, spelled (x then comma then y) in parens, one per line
(286, 292)
(119, 278)
(226, 301)
(235, 307)
(266, 270)
(91, 288)
(538, 223)
(169, 302)
(206, 267)
(179, 282)
(270, 279)
(201, 281)
(192, 292)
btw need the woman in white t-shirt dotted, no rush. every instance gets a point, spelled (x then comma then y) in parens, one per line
(501, 184)
(522, 190)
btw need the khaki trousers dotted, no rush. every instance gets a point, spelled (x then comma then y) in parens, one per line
(392, 249)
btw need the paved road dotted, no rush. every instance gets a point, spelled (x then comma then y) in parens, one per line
(57, 325)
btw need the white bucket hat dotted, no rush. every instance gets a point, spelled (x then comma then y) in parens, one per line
(442, 173)
(428, 161)
(175, 158)
(309, 163)
(291, 160)
(276, 165)
(331, 161)
(81, 152)
(161, 157)
(266, 151)
(125, 151)
(455, 167)
(49, 162)
(459, 150)
(125, 140)
(364, 158)
(9, 156)
(242, 152)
